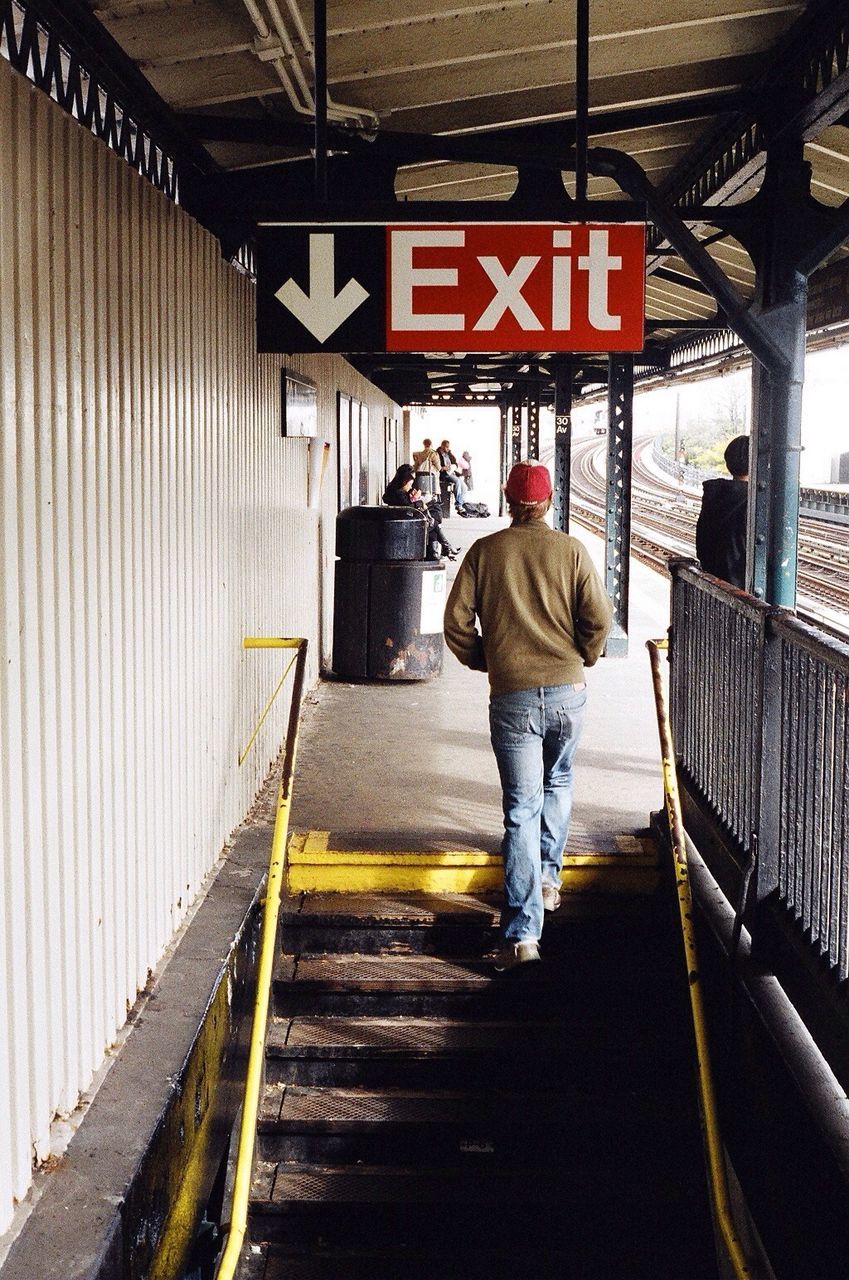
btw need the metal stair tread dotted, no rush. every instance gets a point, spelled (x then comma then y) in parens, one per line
(406, 971)
(284, 1188)
(426, 909)
(555, 1260)
(396, 1035)
(389, 972)
(299, 1108)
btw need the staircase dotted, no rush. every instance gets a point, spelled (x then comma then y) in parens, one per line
(424, 1118)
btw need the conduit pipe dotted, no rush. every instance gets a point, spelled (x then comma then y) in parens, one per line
(294, 81)
(332, 107)
(264, 34)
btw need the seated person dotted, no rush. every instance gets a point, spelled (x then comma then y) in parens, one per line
(400, 493)
(450, 476)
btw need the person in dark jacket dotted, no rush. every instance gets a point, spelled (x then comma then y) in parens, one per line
(400, 493)
(721, 527)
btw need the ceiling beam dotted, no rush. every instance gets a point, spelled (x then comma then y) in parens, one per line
(410, 147)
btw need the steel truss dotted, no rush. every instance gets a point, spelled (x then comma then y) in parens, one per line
(533, 423)
(35, 50)
(63, 50)
(562, 445)
(812, 68)
(516, 432)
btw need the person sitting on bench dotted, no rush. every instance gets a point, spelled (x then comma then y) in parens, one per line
(450, 476)
(400, 493)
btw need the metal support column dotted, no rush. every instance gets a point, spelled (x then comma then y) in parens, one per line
(516, 431)
(620, 405)
(562, 444)
(782, 291)
(533, 423)
(582, 96)
(320, 85)
(503, 453)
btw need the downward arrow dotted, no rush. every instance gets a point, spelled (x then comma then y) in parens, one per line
(322, 310)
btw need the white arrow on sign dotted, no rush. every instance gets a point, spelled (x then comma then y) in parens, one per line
(322, 310)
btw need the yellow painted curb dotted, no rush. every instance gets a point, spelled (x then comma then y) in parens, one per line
(394, 858)
(313, 867)
(359, 879)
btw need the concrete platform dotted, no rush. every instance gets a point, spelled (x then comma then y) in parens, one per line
(409, 766)
(380, 766)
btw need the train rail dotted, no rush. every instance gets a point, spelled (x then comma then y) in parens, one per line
(663, 525)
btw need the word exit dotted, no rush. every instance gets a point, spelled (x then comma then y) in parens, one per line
(508, 286)
(483, 286)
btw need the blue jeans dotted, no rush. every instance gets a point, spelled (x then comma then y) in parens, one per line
(458, 484)
(534, 734)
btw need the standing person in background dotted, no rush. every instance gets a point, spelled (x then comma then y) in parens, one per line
(427, 465)
(721, 526)
(466, 468)
(544, 616)
(450, 475)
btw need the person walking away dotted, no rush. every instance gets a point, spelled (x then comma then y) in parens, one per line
(544, 616)
(721, 526)
(428, 466)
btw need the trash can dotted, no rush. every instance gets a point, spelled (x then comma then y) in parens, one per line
(389, 600)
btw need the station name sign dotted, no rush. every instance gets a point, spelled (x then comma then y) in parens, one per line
(440, 286)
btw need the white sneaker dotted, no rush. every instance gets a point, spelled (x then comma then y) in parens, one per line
(550, 897)
(516, 953)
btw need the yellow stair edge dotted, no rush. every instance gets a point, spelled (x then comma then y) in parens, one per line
(313, 867)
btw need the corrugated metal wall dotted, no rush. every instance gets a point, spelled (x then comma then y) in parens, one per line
(150, 515)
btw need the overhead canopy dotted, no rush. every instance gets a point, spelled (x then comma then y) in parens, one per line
(440, 100)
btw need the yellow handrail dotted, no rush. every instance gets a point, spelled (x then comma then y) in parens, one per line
(229, 1259)
(707, 1099)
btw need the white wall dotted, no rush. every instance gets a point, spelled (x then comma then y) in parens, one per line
(151, 515)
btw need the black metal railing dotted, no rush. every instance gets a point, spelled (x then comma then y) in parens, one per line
(812, 855)
(760, 713)
(716, 689)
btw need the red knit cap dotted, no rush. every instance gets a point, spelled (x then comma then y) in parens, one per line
(528, 483)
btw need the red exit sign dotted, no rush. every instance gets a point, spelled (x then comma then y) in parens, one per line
(451, 286)
(510, 286)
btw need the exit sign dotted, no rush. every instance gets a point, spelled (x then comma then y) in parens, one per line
(483, 286)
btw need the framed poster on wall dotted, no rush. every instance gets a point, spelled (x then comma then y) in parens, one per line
(343, 450)
(390, 448)
(364, 458)
(354, 480)
(299, 407)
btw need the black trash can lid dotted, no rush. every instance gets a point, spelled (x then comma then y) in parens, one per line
(380, 515)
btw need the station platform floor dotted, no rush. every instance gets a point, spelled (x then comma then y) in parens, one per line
(394, 766)
(408, 766)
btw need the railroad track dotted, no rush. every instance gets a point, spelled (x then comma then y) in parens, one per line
(663, 525)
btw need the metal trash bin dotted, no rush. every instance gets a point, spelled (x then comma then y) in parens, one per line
(389, 600)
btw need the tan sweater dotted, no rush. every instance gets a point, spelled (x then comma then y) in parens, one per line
(543, 611)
